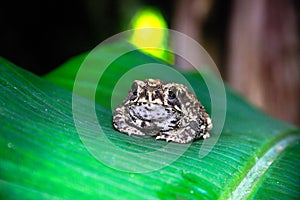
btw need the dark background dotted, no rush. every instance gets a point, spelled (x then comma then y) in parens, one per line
(263, 66)
(41, 35)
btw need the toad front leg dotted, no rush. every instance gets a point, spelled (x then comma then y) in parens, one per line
(185, 134)
(121, 122)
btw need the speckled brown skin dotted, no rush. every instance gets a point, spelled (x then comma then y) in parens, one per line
(168, 111)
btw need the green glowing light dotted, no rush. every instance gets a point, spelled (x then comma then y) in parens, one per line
(151, 41)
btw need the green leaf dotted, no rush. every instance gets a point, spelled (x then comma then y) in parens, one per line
(43, 156)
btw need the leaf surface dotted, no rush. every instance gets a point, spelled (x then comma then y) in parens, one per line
(43, 155)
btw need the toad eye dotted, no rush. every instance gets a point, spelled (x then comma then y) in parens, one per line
(134, 90)
(134, 93)
(171, 95)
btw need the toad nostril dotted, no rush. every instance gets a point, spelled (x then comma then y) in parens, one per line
(157, 95)
(147, 96)
(153, 96)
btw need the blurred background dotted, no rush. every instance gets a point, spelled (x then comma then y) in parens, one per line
(255, 44)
